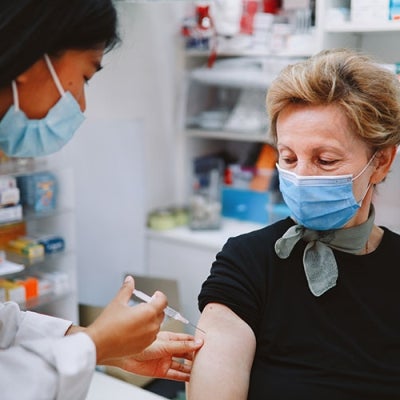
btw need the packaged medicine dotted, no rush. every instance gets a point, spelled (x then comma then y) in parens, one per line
(26, 248)
(14, 291)
(39, 191)
(205, 202)
(51, 243)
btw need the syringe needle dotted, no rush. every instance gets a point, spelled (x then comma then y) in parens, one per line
(196, 327)
(170, 312)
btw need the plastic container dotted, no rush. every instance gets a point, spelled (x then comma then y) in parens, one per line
(251, 205)
(205, 201)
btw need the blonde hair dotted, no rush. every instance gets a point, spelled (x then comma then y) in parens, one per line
(368, 93)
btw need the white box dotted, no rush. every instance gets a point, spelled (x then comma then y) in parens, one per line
(9, 196)
(9, 214)
(369, 11)
(7, 182)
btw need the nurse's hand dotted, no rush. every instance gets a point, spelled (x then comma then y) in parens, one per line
(122, 330)
(164, 358)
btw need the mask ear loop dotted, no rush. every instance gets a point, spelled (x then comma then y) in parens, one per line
(359, 174)
(15, 95)
(363, 170)
(54, 75)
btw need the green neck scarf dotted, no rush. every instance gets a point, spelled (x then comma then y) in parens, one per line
(318, 259)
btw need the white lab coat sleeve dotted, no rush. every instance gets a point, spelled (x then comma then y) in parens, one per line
(17, 326)
(45, 365)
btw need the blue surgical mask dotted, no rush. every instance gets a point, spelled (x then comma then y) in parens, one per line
(24, 137)
(320, 202)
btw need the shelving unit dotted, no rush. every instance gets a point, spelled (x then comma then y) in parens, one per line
(325, 34)
(62, 301)
(377, 38)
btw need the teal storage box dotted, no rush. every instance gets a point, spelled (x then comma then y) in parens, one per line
(250, 205)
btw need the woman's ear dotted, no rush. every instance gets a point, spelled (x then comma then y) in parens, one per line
(383, 161)
(34, 72)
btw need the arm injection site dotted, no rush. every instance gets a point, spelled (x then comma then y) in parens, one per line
(170, 312)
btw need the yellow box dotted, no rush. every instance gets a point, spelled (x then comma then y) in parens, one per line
(13, 291)
(26, 248)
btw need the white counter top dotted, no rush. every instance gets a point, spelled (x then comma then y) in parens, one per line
(105, 387)
(212, 239)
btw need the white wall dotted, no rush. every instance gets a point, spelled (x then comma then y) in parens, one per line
(387, 198)
(141, 81)
(124, 156)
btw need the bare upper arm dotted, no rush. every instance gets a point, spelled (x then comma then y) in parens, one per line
(221, 368)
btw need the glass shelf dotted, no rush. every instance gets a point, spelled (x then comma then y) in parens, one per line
(249, 53)
(229, 135)
(18, 167)
(43, 300)
(32, 215)
(47, 259)
(351, 27)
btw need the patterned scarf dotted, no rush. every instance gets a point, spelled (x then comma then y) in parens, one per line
(318, 259)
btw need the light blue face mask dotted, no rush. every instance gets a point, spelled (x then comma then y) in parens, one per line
(24, 137)
(320, 202)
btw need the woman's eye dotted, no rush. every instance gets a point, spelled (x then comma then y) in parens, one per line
(86, 79)
(326, 162)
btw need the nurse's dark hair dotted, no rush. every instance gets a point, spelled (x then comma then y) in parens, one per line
(31, 28)
(367, 92)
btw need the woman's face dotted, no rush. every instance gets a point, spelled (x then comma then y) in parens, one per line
(36, 88)
(317, 140)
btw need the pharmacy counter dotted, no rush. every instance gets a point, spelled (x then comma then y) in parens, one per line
(105, 387)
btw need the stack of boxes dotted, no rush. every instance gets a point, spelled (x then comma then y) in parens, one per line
(10, 209)
(364, 11)
(22, 290)
(394, 10)
(35, 193)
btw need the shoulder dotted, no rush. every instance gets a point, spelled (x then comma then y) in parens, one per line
(254, 246)
(388, 233)
(390, 238)
(264, 236)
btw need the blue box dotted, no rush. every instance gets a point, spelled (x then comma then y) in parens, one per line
(250, 205)
(39, 191)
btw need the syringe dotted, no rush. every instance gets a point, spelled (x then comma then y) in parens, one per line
(169, 311)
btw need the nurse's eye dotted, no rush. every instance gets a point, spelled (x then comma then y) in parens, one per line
(86, 79)
(287, 160)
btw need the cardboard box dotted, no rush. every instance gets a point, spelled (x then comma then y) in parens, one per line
(88, 313)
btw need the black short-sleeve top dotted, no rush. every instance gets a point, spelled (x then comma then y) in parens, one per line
(342, 345)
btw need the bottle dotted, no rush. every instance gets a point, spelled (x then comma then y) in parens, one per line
(205, 202)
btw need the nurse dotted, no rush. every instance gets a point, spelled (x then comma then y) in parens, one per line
(49, 50)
